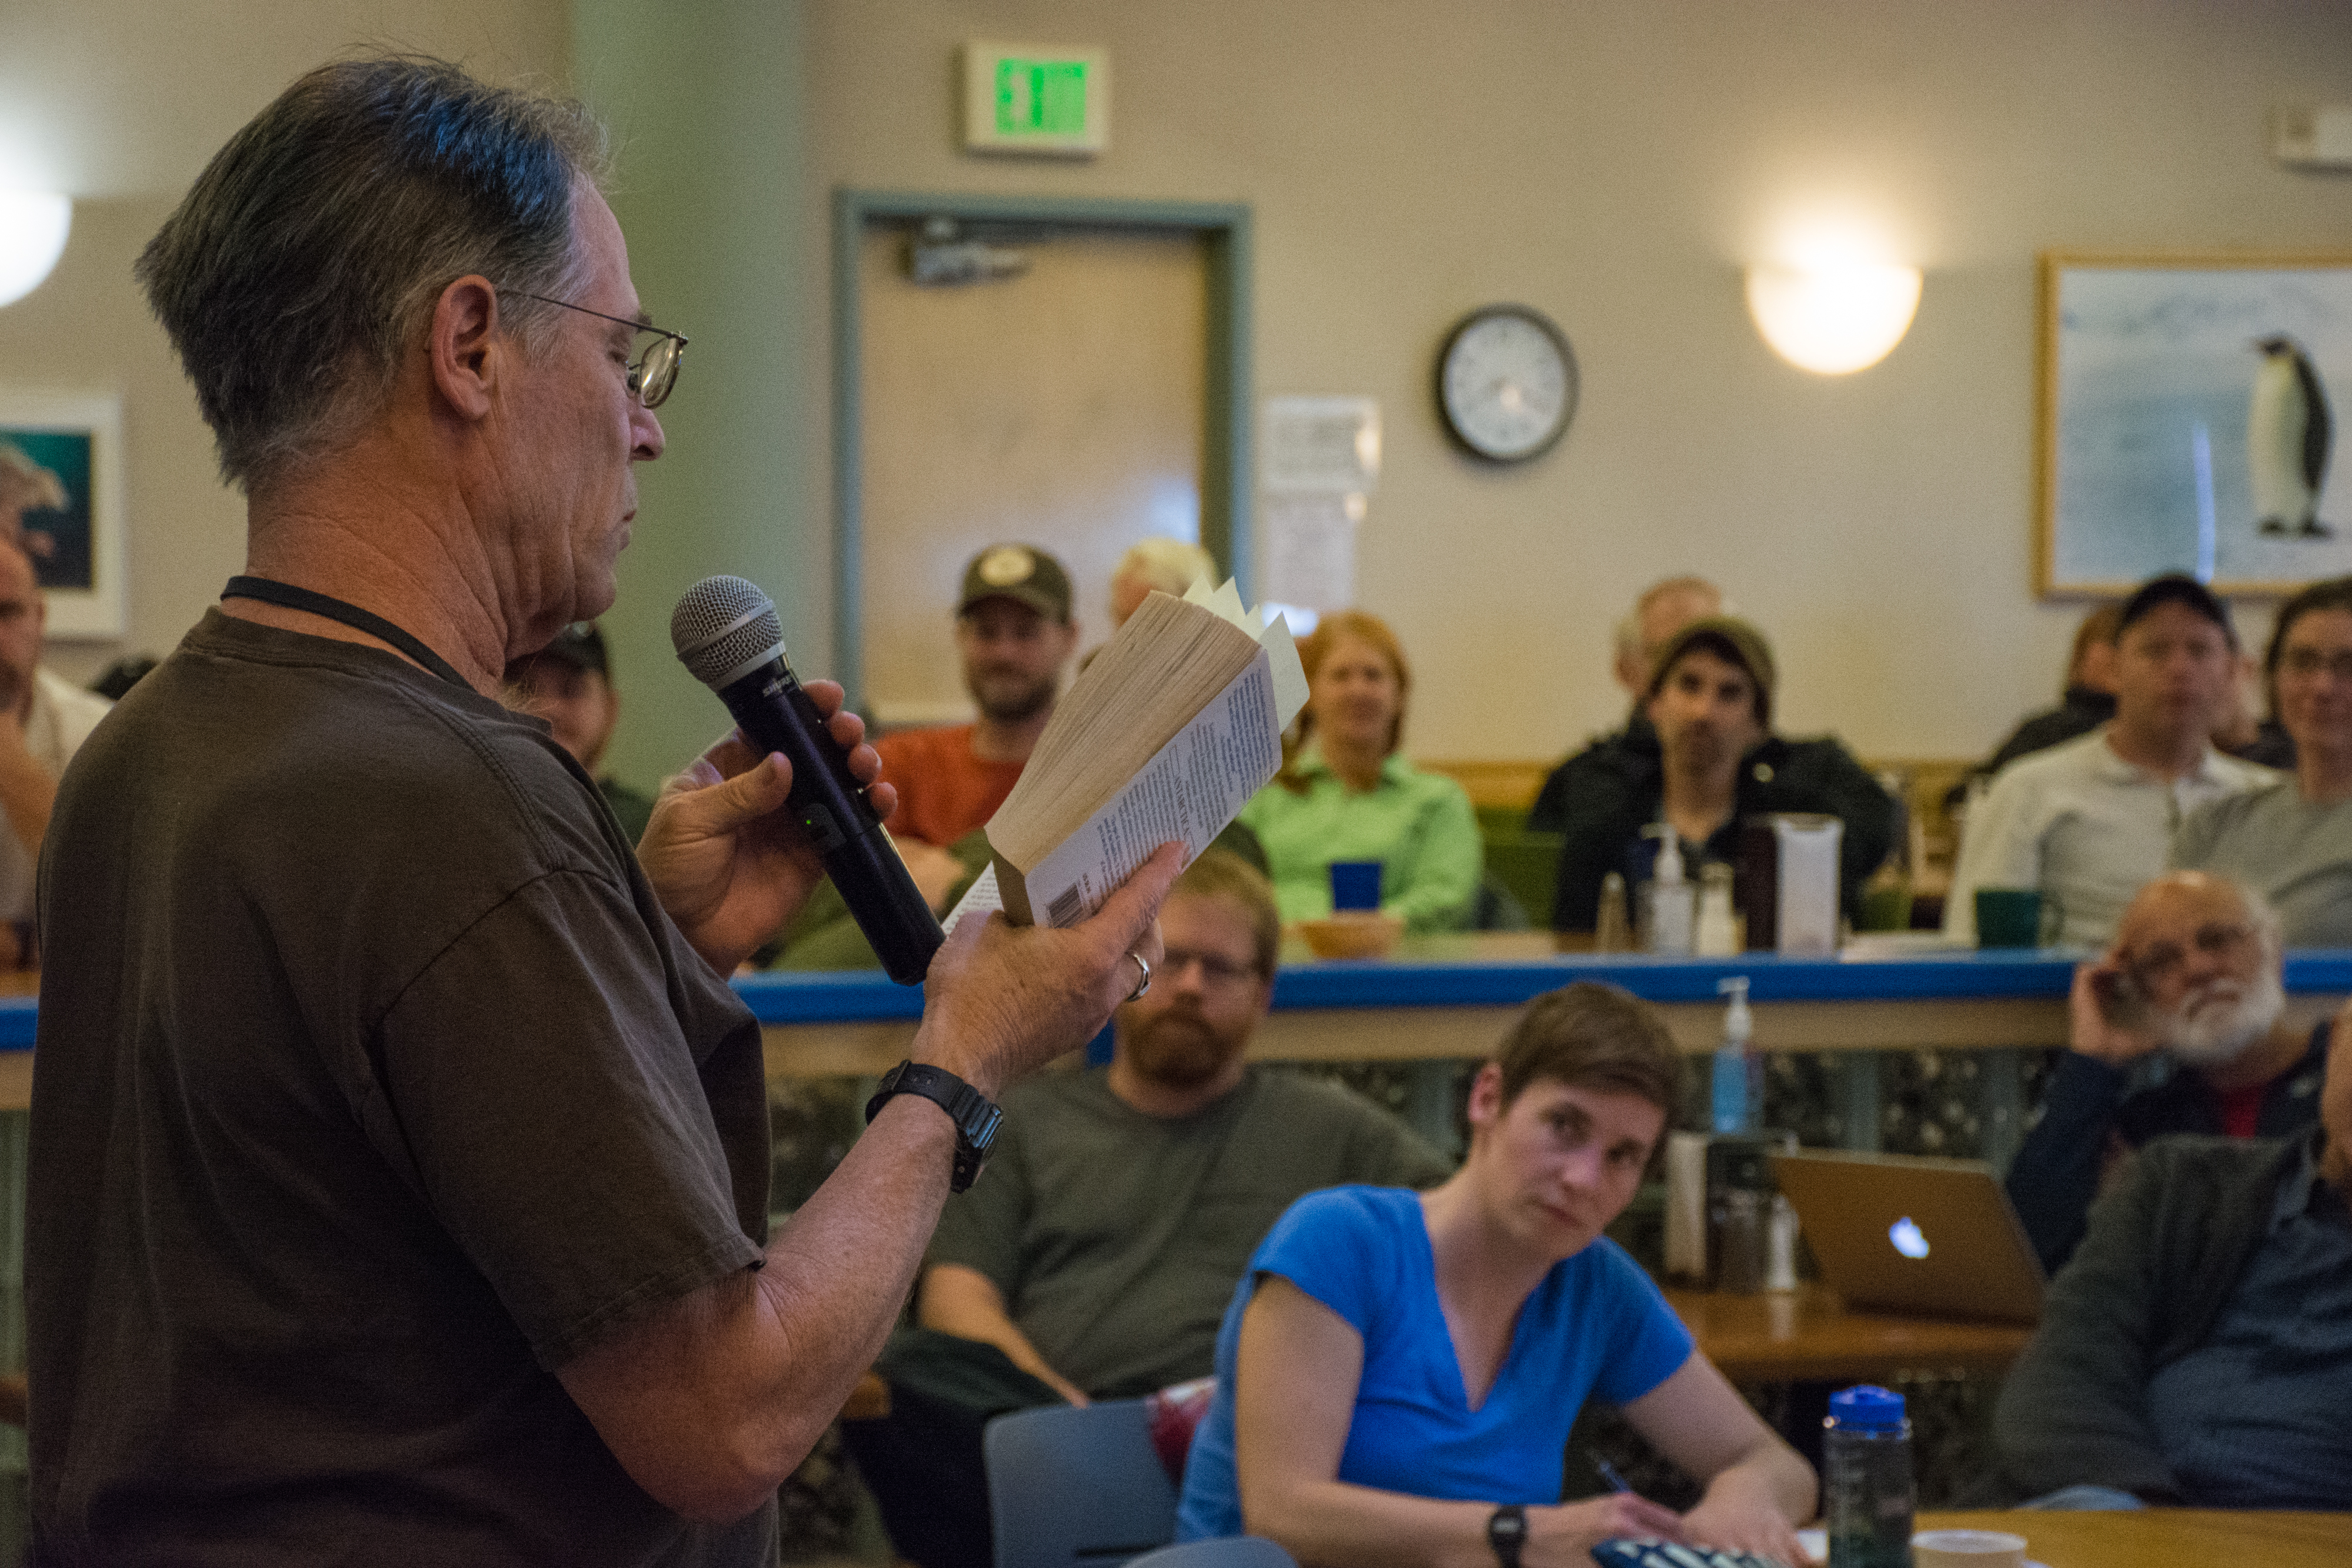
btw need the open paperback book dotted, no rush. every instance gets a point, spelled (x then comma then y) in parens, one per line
(1164, 735)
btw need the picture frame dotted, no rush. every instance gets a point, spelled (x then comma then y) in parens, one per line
(2168, 437)
(61, 490)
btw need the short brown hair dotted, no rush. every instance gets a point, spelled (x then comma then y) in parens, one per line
(1593, 1036)
(1221, 874)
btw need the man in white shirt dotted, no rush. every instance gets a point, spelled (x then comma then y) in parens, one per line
(46, 718)
(2090, 822)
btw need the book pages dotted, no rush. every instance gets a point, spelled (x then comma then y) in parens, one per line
(1197, 784)
(1163, 737)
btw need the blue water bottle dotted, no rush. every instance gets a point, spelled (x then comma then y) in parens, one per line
(1866, 1479)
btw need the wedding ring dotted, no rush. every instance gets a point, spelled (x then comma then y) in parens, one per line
(1144, 984)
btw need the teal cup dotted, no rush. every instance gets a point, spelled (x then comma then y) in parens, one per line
(2009, 918)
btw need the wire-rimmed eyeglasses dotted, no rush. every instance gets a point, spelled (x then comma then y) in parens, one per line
(653, 369)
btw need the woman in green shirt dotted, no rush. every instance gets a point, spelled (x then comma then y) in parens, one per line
(1345, 794)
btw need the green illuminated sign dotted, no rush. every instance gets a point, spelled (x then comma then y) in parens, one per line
(1041, 98)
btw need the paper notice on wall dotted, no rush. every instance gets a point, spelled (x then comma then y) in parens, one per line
(1311, 549)
(1320, 444)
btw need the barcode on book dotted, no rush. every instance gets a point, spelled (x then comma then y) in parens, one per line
(1067, 907)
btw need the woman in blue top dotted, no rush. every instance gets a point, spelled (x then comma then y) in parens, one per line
(1398, 1372)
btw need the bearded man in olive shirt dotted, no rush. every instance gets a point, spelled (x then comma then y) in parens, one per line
(1119, 1210)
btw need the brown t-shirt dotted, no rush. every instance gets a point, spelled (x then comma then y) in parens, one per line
(373, 1085)
(944, 791)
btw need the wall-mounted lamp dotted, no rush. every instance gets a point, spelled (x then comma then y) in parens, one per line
(33, 227)
(1835, 318)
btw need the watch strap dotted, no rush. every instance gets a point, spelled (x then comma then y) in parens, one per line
(976, 1117)
(1507, 1532)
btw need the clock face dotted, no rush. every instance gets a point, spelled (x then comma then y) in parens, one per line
(1506, 384)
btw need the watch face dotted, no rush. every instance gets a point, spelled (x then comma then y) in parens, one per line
(1506, 384)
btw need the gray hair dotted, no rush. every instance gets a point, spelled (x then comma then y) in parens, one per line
(311, 253)
(1171, 566)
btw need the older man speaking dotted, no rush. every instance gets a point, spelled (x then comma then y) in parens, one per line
(398, 1183)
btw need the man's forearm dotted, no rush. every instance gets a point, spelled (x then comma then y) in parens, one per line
(961, 1301)
(711, 1402)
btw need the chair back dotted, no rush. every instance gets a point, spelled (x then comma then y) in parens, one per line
(1226, 1552)
(1072, 1487)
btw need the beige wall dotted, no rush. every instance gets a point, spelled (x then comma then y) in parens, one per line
(1615, 162)
(1612, 162)
(119, 103)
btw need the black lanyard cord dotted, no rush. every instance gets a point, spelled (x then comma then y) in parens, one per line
(286, 596)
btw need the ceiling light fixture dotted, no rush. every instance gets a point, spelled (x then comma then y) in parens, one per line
(1834, 318)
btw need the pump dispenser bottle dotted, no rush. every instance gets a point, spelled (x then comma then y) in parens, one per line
(1738, 1079)
(1667, 904)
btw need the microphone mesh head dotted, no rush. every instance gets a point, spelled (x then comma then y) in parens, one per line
(722, 626)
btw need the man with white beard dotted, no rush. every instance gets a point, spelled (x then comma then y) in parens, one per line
(1119, 1207)
(2195, 973)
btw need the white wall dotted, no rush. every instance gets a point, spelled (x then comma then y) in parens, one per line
(119, 103)
(1615, 162)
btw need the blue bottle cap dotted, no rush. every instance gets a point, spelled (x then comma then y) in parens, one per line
(1866, 1405)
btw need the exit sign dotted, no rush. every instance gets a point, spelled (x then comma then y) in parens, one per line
(1032, 97)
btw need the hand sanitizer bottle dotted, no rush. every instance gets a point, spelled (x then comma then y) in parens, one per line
(1667, 897)
(1738, 1080)
(1718, 936)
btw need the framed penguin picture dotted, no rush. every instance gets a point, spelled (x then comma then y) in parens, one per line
(61, 501)
(2189, 409)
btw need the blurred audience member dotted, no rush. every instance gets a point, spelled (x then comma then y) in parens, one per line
(2198, 1351)
(2090, 821)
(1663, 608)
(2086, 701)
(2291, 840)
(44, 719)
(1120, 1204)
(569, 683)
(1171, 566)
(1014, 636)
(1345, 794)
(2195, 974)
(1712, 762)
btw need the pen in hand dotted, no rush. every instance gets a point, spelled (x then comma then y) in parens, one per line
(1607, 1472)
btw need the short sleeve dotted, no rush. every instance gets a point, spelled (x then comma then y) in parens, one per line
(1337, 1247)
(555, 1115)
(1648, 1344)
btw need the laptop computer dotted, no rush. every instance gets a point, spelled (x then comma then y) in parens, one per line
(1904, 1233)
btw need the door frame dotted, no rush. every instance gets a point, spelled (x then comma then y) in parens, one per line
(1223, 229)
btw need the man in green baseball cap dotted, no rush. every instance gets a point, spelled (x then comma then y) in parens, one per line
(1016, 636)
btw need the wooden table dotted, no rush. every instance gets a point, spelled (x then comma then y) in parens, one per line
(2169, 1538)
(1807, 1332)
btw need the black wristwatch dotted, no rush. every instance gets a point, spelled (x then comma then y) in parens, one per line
(1506, 1531)
(974, 1114)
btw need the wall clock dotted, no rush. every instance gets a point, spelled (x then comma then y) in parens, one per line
(1506, 384)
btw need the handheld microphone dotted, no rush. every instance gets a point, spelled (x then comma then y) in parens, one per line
(727, 636)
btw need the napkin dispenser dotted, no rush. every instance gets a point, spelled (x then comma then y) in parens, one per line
(1789, 882)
